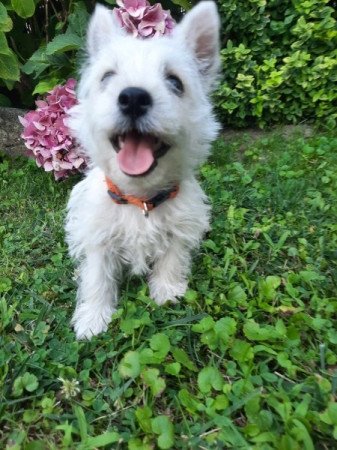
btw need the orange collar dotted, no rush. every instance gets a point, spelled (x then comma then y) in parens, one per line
(146, 204)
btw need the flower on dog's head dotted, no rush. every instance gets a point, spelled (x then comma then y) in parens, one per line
(47, 136)
(141, 19)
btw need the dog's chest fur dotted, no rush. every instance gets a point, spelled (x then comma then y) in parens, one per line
(124, 232)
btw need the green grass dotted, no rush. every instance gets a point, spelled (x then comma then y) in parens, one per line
(246, 361)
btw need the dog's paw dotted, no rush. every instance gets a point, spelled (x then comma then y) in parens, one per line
(162, 293)
(88, 322)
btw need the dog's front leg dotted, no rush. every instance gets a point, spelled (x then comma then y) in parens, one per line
(97, 293)
(168, 280)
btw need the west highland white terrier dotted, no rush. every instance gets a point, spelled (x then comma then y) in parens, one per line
(146, 122)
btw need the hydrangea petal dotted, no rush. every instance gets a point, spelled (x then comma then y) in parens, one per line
(141, 19)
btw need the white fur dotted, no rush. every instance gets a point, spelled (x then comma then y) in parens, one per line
(105, 238)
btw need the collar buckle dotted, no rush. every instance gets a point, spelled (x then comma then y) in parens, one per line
(145, 210)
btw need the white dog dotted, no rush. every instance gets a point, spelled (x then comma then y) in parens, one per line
(146, 122)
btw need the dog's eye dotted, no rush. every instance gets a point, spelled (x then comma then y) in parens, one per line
(107, 75)
(176, 84)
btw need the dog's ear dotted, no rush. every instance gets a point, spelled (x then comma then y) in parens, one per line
(102, 27)
(200, 30)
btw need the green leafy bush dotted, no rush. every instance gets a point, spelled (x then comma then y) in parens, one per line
(279, 61)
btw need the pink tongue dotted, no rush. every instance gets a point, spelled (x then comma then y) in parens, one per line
(136, 154)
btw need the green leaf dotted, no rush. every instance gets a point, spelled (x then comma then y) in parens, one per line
(6, 23)
(37, 63)
(152, 379)
(129, 367)
(225, 328)
(148, 356)
(160, 344)
(182, 357)
(282, 408)
(45, 86)
(9, 67)
(9, 64)
(205, 324)
(27, 381)
(237, 295)
(78, 20)
(310, 275)
(208, 378)
(136, 443)
(242, 351)
(255, 332)
(129, 324)
(40, 332)
(35, 445)
(30, 415)
(64, 43)
(301, 433)
(264, 348)
(302, 408)
(162, 426)
(216, 334)
(221, 402)
(330, 415)
(143, 417)
(82, 422)
(185, 4)
(267, 287)
(173, 368)
(23, 8)
(188, 401)
(267, 436)
(284, 361)
(5, 284)
(252, 407)
(108, 438)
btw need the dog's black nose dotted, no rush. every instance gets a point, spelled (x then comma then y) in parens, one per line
(134, 102)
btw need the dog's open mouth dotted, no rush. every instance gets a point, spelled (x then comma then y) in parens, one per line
(137, 153)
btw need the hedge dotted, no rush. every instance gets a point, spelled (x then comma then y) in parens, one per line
(279, 62)
(279, 56)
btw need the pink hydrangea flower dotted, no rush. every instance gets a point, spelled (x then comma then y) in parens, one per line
(141, 19)
(47, 136)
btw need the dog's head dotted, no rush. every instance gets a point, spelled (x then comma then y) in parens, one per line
(144, 116)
